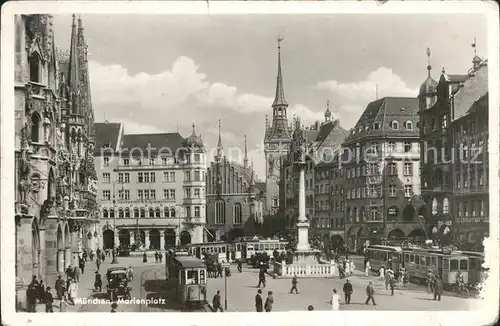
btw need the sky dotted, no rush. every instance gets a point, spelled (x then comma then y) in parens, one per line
(162, 73)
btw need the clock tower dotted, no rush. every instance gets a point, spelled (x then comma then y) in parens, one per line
(277, 141)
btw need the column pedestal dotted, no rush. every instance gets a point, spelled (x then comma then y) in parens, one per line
(162, 240)
(67, 257)
(303, 235)
(146, 240)
(60, 261)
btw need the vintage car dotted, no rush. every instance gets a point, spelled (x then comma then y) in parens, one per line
(118, 287)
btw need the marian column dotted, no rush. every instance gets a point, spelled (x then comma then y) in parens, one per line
(303, 223)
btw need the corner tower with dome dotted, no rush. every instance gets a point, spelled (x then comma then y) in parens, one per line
(277, 141)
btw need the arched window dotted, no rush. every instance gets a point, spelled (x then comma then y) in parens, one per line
(136, 212)
(143, 213)
(127, 212)
(172, 212)
(395, 125)
(434, 207)
(35, 68)
(446, 206)
(105, 213)
(237, 219)
(158, 212)
(409, 125)
(355, 214)
(151, 212)
(220, 212)
(167, 211)
(120, 212)
(35, 128)
(111, 213)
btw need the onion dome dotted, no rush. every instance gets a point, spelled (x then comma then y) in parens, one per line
(194, 140)
(429, 86)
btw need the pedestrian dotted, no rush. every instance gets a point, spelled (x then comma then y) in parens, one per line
(347, 291)
(262, 278)
(392, 284)
(156, 257)
(268, 306)
(310, 307)
(91, 255)
(216, 302)
(240, 265)
(97, 282)
(98, 263)
(381, 272)
(34, 282)
(219, 269)
(82, 265)
(335, 301)
(387, 278)
(73, 291)
(352, 266)
(367, 268)
(76, 273)
(144, 258)
(103, 257)
(369, 293)
(130, 273)
(365, 261)
(160, 255)
(258, 301)
(114, 306)
(31, 298)
(84, 256)
(430, 282)
(294, 285)
(438, 288)
(69, 272)
(48, 300)
(40, 289)
(58, 287)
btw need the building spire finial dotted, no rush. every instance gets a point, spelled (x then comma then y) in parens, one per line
(279, 98)
(429, 67)
(219, 142)
(194, 133)
(245, 159)
(474, 46)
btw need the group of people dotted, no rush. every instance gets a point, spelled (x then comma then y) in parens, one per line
(346, 267)
(158, 257)
(37, 293)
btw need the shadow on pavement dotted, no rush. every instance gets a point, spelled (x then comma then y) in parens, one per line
(155, 285)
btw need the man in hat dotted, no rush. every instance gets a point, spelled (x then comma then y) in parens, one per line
(294, 284)
(347, 291)
(258, 301)
(216, 304)
(48, 300)
(114, 305)
(268, 306)
(97, 281)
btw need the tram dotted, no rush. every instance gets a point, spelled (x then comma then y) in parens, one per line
(268, 246)
(388, 256)
(477, 272)
(419, 261)
(222, 249)
(186, 277)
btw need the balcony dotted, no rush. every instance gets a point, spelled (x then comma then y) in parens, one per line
(479, 190)
(145, 222)
(472, 219)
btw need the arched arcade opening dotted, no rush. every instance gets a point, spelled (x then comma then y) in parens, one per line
(108, 239)
(185, 238)
(154, 239)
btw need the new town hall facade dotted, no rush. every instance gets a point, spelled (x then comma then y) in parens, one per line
(55, 186)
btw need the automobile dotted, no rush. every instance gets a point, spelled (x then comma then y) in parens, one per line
(117, 287)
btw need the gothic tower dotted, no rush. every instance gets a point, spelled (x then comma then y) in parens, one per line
(277, 140)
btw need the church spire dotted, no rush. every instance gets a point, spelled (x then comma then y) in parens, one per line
(74, 71)
(219, 144)
(245, 159)
(279, 98)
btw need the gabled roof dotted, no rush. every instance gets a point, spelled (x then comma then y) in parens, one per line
(106, 134)
(167, 143)
(475, 87)
(382, 113)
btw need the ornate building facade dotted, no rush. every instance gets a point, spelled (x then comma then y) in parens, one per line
(235, 204)
(277, 140)
(55, 189)
(454, 151)
(381, 162)
(151, 188)
(322, 142)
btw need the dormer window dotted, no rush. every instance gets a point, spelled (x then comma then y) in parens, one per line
(376, 126)
(409, 125)
(395, 125)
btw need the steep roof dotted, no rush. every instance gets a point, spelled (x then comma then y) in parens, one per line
(475, 87)
(167, 143)
(106, 134)
(382, 113)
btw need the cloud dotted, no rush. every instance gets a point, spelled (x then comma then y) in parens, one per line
(132, 127)
(354, 97)
(388, 83)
